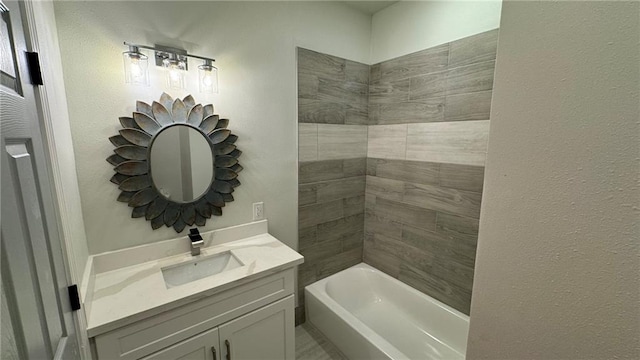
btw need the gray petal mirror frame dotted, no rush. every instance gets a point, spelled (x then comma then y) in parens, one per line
(132, 166)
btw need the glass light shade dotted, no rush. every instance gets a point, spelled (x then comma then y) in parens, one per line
(175, 74)
(208, 75)
(136, 67)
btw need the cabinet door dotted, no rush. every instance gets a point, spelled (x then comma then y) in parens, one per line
(265, 334)
(199, 347)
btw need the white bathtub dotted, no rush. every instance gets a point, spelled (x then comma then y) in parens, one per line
(370, 315)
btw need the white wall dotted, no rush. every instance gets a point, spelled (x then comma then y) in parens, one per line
(254, 46)
(557, 269)
(410, 26)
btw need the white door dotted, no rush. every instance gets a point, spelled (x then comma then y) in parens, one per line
(265, 334)
(200, 347)
(36, 317)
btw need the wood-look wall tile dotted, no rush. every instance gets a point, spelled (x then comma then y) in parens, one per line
(342, 91)
(307, 194)
(429, 110)
(419, 172)
(354, 241)
(406, 213)
(437, 198)
(385, 188)
(322, 65)
(387, 141)
(341, 141)
(374, 73)
(320, 251)
(354, 167)
(321, 112)
(381, 260)
(380, 224)
(458, 228)
(314, 171)
(307, 86)
(374, 114)
(340, 228)
(306, 237)
(404, 221)
(353, 205)
(306, 275)
(357, 72)
(372, 165)
(339, 262)
(470, 78)
(450, 294)
(418, 63)
(356, 117)
(339, 189)
(453, 272)
(440, 245)
(307, 142)
(369, 202)
(311, 215)
(473, 49)
(428, 86)
(407, 254)
(462, 177)
(470, 106)
(448, 142)
(389, 93)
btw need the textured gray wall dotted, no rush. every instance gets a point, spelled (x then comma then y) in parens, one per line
(332, 115)
(417, 127)
(429, 115)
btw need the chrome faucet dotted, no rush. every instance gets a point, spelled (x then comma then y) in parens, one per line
(196, 241)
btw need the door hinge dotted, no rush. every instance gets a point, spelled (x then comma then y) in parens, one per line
(33, 62)
(74, 297)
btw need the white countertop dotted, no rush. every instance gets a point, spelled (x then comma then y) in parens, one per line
(120, 296)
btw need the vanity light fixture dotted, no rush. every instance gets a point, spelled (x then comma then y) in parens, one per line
(136, 66)
(175, 61)
(176, 70)
(208, 75)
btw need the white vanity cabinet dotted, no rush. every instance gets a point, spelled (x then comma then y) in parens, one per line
(251, 321)
(261, 334)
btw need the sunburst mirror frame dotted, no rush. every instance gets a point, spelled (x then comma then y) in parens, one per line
(132, 167)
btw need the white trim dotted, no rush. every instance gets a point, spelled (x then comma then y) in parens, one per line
(34, 13)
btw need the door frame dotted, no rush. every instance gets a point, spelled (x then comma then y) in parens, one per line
(51, 103)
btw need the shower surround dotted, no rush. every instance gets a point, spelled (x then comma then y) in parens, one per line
(333, 117)
(424, 122)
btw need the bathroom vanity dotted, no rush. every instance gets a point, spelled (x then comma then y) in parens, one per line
(157, 301)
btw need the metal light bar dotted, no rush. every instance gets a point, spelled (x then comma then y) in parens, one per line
(163, 53)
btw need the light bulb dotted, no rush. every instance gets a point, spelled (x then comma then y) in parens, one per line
(175, 74)
(136, 71)
(208, 75)
(135, 67)
(207, 80)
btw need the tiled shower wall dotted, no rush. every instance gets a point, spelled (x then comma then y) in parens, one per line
(332, 116)
(417, 127)
(429, 116)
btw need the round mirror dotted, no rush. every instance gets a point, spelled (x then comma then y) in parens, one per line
(181, 163)
(164, 161)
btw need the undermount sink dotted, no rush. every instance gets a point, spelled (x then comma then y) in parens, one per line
(197, 269)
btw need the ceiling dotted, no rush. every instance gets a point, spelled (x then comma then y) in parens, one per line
(369, 7)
